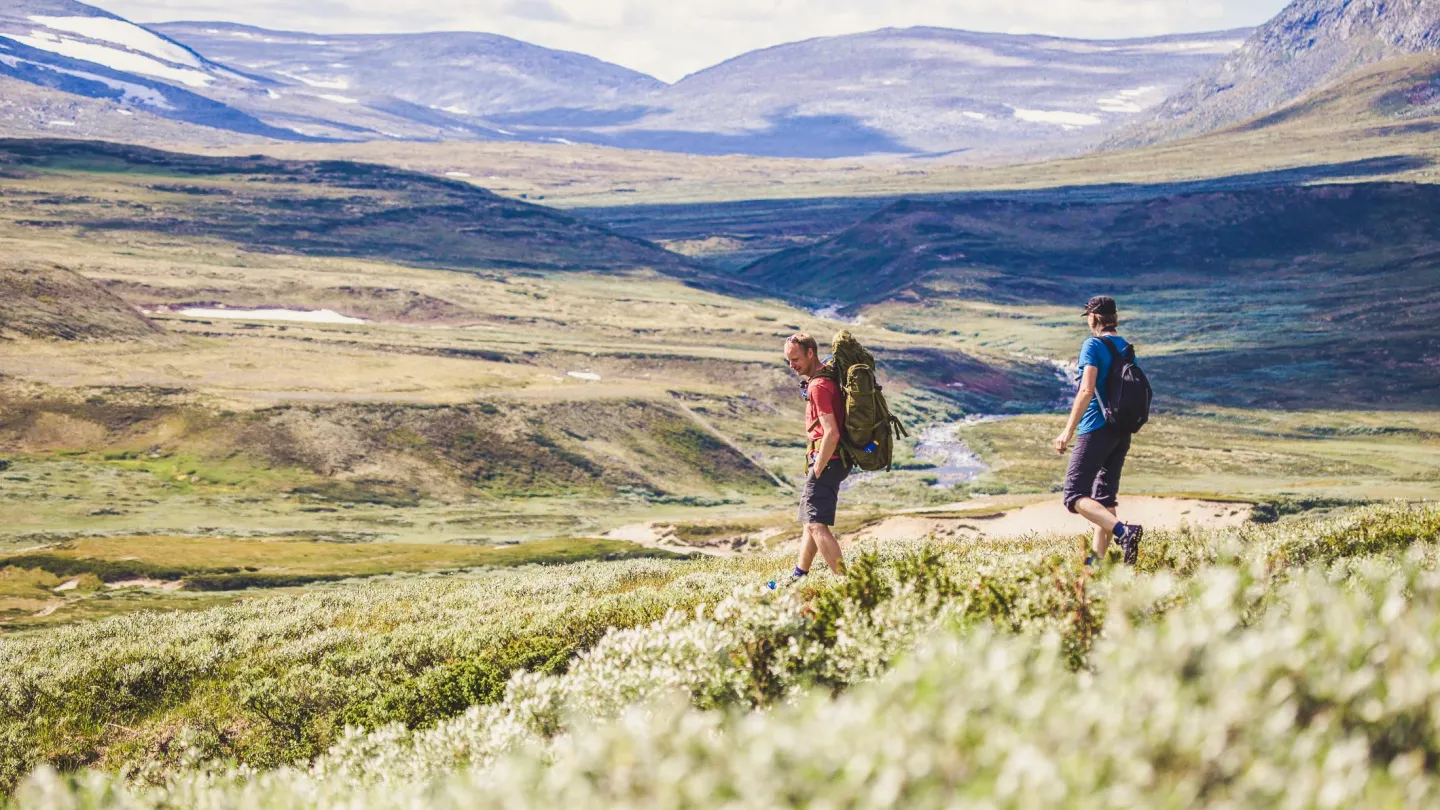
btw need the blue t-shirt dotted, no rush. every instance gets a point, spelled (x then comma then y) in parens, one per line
(1094, 353)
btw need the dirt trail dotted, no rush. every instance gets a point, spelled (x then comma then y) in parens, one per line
(1050, 517)
(153, 584)
(662, 536)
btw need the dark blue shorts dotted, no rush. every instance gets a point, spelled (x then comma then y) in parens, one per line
(821, 496)
(1095, 467)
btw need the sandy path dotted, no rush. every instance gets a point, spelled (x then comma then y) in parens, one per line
(1050, 517)
(662, 537)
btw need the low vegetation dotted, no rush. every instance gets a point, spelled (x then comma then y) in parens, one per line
(80, 579)
(587, 684)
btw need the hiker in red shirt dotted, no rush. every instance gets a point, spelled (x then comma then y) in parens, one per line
(824, 419)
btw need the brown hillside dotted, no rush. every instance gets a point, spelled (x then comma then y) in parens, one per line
(53, 303)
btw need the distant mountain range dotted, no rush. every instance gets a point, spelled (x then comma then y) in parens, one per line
(916, 91)
(912, 91)
(1309, 45)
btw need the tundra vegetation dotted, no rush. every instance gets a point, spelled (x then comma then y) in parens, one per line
(1291, 662)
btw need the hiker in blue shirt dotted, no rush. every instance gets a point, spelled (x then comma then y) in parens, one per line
(1092, 484)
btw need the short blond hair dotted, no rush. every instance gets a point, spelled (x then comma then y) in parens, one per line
(805, 342)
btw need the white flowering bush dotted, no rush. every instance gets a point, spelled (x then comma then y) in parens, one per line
(1296, 665)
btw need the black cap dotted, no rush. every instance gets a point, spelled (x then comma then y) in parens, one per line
(1100, 305)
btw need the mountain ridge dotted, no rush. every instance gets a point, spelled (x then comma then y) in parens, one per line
(921, 91)
(1310, 44)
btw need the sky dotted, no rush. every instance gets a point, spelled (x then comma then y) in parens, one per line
(669, 39)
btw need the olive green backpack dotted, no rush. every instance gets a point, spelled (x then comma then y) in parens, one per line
(868, 441)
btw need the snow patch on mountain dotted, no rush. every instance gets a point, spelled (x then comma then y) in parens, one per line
(132, 93)
(120, 32)
(115, 59)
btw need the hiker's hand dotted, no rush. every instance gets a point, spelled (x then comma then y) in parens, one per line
(816, 472)
(1061, 442)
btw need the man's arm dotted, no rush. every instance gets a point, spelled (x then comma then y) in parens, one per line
(1088, 381)
(828, 443)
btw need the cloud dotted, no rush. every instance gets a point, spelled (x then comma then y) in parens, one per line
(541, 10)
(670, 38)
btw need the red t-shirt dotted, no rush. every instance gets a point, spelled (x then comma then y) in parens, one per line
(825, 397)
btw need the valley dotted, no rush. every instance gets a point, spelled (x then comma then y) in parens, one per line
(402, 420)
(460, 400)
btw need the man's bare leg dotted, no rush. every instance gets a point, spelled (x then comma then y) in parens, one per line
(808, 549)
(821, 537)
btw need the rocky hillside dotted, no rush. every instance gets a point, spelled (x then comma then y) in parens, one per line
(54, 303)
(1310, 44)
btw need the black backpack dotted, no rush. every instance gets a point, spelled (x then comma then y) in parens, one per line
(1126, 403)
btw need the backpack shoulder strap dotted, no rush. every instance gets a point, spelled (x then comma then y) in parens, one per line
(1114, 352)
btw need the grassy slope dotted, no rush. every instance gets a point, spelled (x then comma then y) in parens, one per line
(317, 208)
(1249, 453)
(151, 569)
(48, 302)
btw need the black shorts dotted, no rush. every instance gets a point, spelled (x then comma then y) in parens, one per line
(822, 495)
(1095, 467)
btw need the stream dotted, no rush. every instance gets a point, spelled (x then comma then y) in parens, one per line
(955, 463)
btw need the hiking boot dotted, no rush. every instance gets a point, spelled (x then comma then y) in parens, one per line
(1130, 543)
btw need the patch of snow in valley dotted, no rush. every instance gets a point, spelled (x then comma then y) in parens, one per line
(456, 109)
(585, 375)
(457, 174)
(123, 33)
(303, 316)
(1060, 118)
(62, 123)
(974, 116)
(339, 99)
(123, 61)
